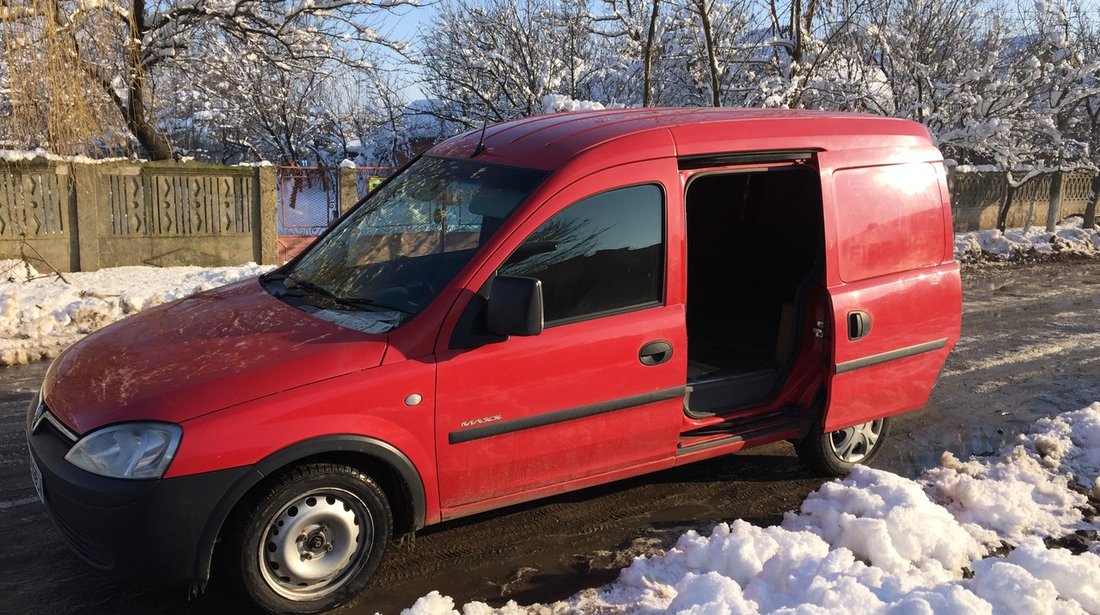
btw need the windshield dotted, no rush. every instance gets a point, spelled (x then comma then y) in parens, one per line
(400, 248)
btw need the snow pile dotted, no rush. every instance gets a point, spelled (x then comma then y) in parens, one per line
(1068, 239)
(42, 314)
(1014, 496)
(1029, 490)
(965, 538)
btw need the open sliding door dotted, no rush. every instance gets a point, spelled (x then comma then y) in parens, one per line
(893, 284)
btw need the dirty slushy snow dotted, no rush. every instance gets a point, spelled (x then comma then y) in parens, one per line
(966, 537)
(40, 314)
(1068, 239)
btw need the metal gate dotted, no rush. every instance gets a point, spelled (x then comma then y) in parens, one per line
(309, 200)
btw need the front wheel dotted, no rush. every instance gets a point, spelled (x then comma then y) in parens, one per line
(834, 453)
(311, 540)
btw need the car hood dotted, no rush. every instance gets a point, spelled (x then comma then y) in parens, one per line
(200, 354)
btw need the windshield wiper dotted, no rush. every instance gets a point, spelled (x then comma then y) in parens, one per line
(271, 276)
(371, 303)
(355, 302)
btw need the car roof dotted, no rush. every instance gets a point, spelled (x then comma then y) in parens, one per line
(550, 141)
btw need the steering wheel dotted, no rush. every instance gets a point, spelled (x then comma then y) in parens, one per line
(402, 262)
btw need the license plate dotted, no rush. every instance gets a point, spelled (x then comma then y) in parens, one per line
(36, 478)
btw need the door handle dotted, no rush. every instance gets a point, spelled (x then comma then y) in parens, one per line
(859, 324)
(655, 353)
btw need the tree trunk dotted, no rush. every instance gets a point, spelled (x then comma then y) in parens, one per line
(137, 119)
(712, 59)
(156, 144)
(647, 61)
(1002, 216)
(1090, 207)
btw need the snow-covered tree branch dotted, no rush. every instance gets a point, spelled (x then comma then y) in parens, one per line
(127, 49)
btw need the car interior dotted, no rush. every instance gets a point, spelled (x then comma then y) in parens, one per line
(755, 249)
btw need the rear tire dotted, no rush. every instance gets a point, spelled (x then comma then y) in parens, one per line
(836, 452)
(310, 540)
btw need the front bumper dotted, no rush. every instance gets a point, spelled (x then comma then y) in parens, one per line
(155, 531)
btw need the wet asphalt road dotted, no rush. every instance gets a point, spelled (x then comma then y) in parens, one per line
(1028, 350)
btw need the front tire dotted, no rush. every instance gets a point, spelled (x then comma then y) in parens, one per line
(311, 540)
(836, 452)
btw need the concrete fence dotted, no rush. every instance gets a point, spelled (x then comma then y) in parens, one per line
(1044, 199)
(83, 217)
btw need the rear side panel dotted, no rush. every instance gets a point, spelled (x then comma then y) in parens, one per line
(894, 286)
(889, 219)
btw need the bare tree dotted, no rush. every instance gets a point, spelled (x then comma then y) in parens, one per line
(497, 60)
(632, 30)
(123, 48)
(1085, 25)
(719, 48)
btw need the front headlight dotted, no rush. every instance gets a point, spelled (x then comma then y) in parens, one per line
(127, 450)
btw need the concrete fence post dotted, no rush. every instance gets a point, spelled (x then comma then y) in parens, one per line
(85, 202)
(266, 207)
(1054, 211)
(349, 189)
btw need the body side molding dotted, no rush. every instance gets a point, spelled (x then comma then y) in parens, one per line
(508, 426)
(893, 355)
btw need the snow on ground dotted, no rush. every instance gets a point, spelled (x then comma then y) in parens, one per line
(1068, 239)
(967, 537)
(40, 314)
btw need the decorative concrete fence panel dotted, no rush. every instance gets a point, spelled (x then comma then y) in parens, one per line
(977, 198)
(90, 216)
(1075, 193)
(35, 218)
(176, 214)
(1030, 203)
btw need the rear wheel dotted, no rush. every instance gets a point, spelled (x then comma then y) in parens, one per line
(310, 541)
(834, 453)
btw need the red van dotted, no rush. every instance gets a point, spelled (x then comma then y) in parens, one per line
(541, 306)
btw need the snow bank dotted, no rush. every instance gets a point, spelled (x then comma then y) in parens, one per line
(41, 314)
(1067, 239)
(966, 537)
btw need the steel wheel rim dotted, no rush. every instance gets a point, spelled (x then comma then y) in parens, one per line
(313, 545)
(854, 444)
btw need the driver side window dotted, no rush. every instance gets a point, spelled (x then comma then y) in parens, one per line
(601, 255)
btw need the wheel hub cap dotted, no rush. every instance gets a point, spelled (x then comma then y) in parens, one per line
(313, 545)
(853, 444)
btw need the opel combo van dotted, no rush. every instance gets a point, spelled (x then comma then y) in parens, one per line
(528, 309)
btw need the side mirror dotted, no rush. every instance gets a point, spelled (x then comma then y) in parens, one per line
(515, 306)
